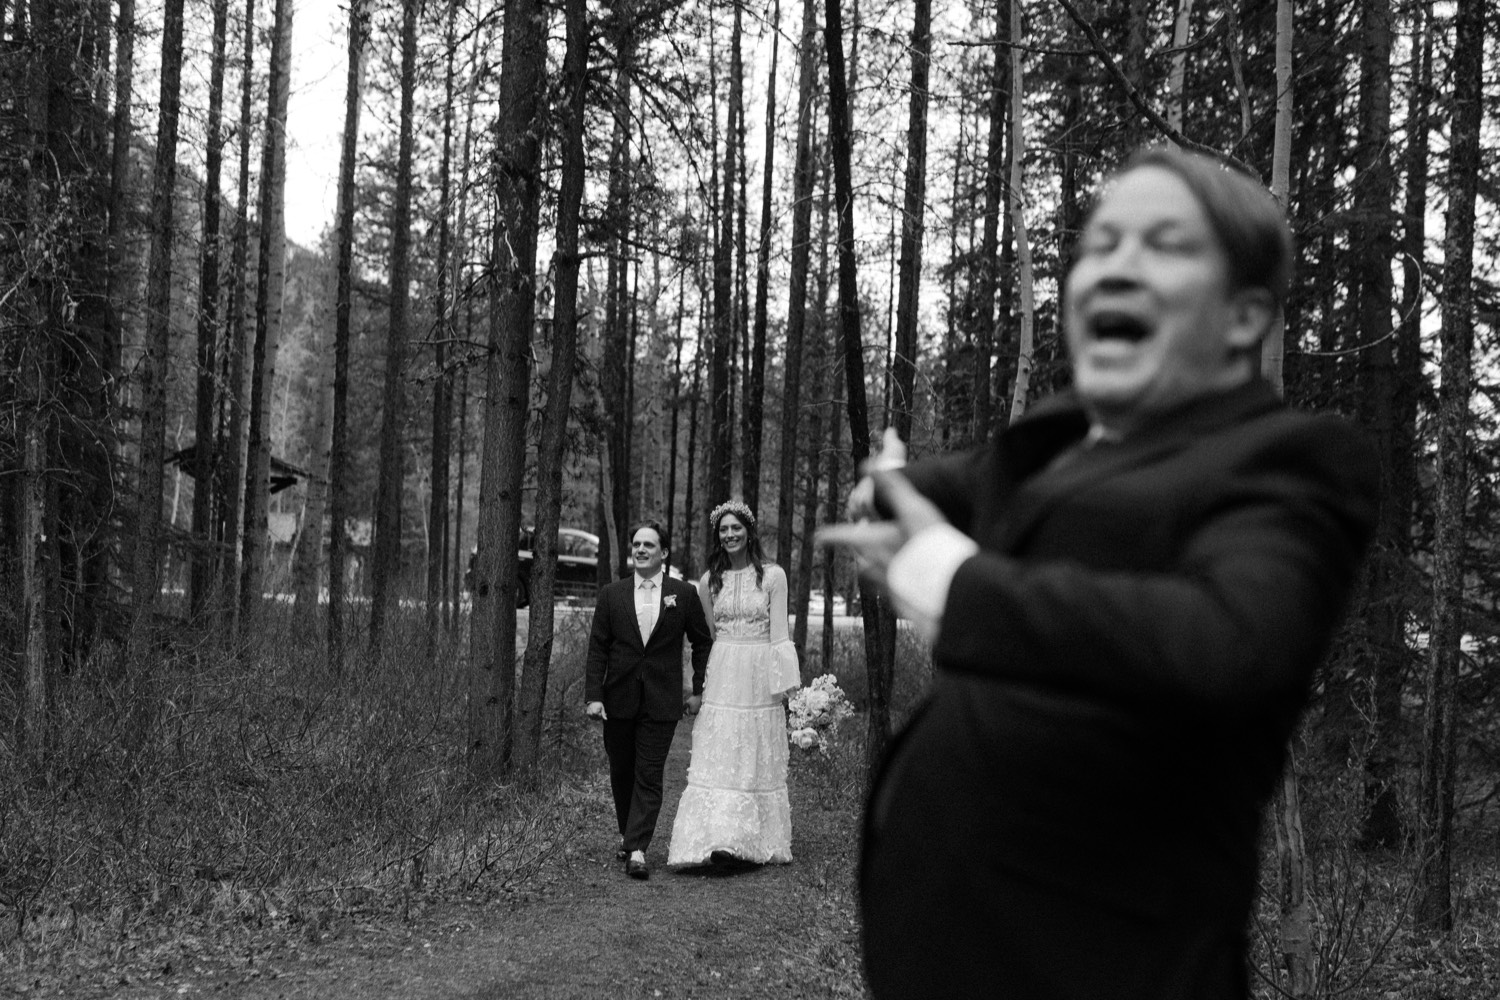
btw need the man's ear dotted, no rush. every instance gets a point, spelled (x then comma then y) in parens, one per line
(1251, 316)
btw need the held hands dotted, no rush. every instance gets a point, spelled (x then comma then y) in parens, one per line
(873, 543)
(694, 702)
(595, 710)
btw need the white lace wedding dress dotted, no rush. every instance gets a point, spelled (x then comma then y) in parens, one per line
(736, 798)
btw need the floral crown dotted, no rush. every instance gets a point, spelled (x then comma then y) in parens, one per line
(735, 507)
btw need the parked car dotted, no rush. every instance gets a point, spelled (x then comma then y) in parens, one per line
(577, 565)
(816, 601)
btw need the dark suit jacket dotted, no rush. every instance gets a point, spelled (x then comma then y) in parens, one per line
(1075, 810)
(644, 680)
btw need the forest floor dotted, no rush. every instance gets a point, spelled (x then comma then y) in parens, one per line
(578, 930)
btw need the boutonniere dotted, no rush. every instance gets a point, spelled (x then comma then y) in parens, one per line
(669, 601)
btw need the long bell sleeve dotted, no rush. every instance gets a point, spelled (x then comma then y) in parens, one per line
(786, 675)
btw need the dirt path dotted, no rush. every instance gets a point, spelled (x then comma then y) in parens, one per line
(590, 932)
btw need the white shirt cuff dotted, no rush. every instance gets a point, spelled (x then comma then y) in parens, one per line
(921, 573)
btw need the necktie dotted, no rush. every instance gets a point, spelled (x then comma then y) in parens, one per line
(647, 614)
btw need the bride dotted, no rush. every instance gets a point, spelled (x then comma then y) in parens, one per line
(735, 807)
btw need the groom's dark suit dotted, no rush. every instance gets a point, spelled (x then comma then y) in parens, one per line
(640, 685)
(1074, 812)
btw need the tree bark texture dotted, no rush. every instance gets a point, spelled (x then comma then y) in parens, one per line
(1434, 904)
(517, 178)
(389, 487)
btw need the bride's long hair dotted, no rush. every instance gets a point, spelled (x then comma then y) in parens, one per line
(718, 559)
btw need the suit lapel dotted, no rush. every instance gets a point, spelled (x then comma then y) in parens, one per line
(1038, 492)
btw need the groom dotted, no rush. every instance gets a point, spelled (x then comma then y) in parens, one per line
(633, 682)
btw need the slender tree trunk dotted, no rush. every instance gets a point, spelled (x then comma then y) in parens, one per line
(796, 312)
(721, 376)
(205, 459)
(307, 559)
(1026, 344)
(754, 406)
(614, 379)
(1434, 905)
(389, 488)
(1273, 350)
(1385, 608)
(1175, 94)
(232, 444)
(904, 369)
(492, 651)
(338, 451)
(879, 636)
(539, 635)
(270, 280)
(153, 367)
(989, 254)
(1384, 816)
(442, 386)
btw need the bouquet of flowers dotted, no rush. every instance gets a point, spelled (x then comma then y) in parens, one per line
(814, 713)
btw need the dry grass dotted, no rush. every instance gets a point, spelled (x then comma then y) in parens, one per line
(232, 789)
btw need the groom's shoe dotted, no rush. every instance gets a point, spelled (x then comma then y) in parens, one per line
(635, 865)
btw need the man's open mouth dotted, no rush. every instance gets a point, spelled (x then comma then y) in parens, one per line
(1118, 326)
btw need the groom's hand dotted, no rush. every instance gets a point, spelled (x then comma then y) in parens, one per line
(595, 710)
(694, 702)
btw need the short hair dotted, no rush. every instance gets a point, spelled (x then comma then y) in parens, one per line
(656, 526)
(1246, 217)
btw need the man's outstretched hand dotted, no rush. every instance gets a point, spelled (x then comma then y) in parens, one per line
(873, 543)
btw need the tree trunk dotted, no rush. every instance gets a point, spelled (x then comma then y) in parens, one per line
(877, 614)
(270, 281)
(1434, 904)
(307, 559)
(1296, 929)
(492, 651)
(904, 368)
(1385, 605)
(442, 386)
(1175, 95)
(201, 575)
(796, 310)
(1025, 344)
(754, 406)
(989, 254)
(550, 454)
(614, 379)
(386, 558)
(232, 436)
(1273, 350)
(153, 366)
(338, 452)
(1383, 819)
(721, 375)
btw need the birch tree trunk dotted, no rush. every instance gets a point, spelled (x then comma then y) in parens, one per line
(1026, 342)
(1273, 350)
(988, 323)
(1434, 904)
(904, 364)
(1175, 95)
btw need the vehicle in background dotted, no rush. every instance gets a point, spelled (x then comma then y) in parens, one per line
(816, 603)
(577, 565)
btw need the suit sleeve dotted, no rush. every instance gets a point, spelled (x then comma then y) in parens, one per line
(1241, 617)
(699, 636)
(597, 660)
